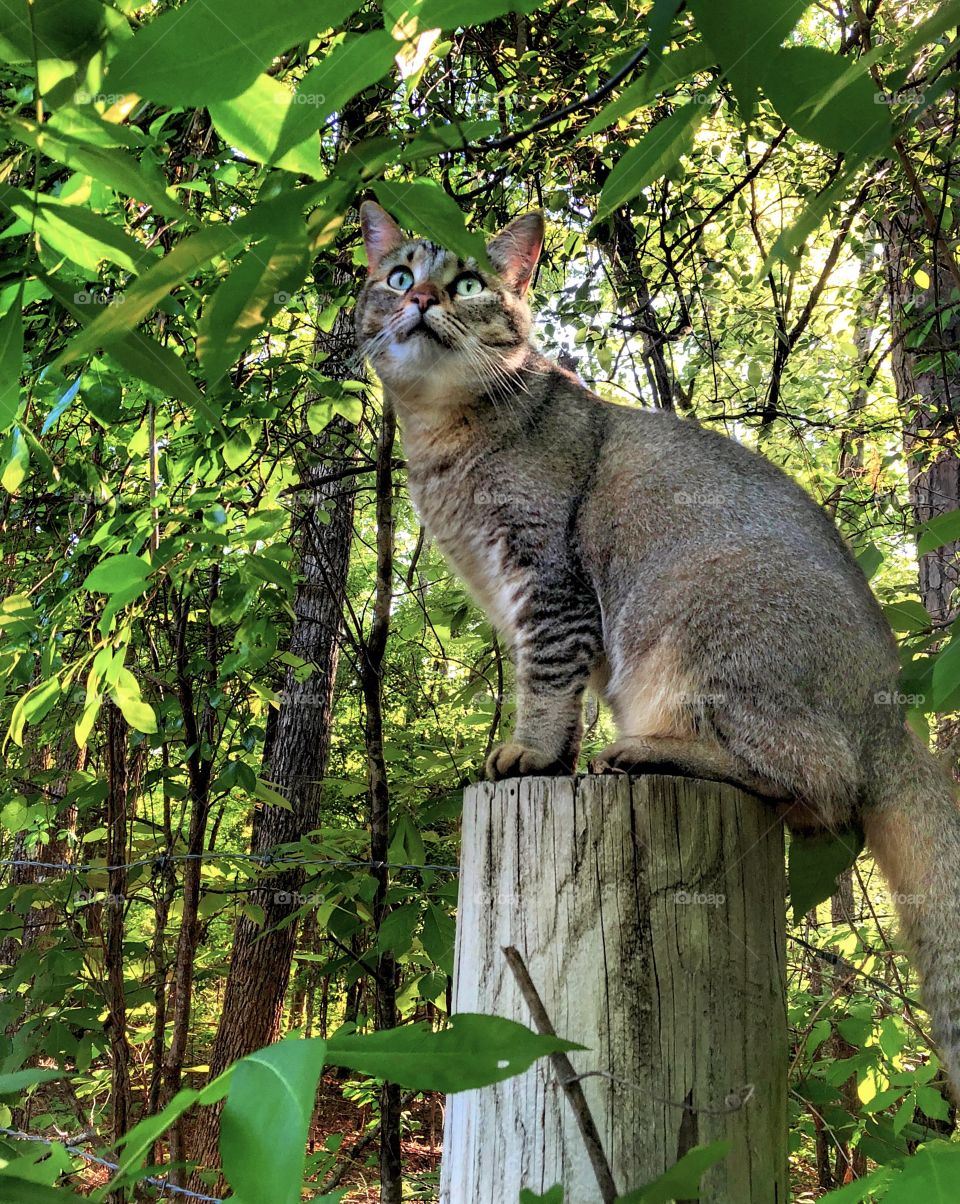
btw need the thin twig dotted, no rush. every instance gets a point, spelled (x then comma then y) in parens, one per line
(548, 119)
(568, 1078)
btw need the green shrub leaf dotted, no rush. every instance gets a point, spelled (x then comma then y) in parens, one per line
(473, 1052)
(209, 50)
(266, 1120)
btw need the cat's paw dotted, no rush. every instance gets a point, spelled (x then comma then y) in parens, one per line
(625, 756)
(519, 760)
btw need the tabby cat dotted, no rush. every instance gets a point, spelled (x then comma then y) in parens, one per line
(686, 579)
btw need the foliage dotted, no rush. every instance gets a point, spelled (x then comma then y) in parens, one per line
(723, 182)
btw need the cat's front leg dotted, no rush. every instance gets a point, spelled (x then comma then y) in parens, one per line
(556, 651)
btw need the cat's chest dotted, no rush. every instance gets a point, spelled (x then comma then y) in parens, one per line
(479, 536)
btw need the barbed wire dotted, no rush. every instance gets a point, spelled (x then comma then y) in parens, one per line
(76, 1151)
(265, 860)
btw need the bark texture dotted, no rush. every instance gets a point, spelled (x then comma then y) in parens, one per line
(650, 914)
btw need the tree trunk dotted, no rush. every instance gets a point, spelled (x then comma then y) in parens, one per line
(117, 803)
(391, 1181)
(650, 914)
(296, 757)
(925, 329)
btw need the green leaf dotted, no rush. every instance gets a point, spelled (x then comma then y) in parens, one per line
(64, 29)
(14, 461)
(931, 1175)
(348, 69)
(40, 700)
(816, 862)
(945, 683)
(249, 297)
(473, 1052)
(14, 1190)
(266, 1120)
(659, 78)
(907, 615)
(162, 368)
(84, 725)
(437, 937)
(869, 559)
(141, 355)
(254, 123)
(110, 166)
(850, 120)
(744, 36)
(138, 1142)
(396, 929)
(61, 406)
(349, 408)
(790, 240)
(210, 50)
(11, 361)
(266, 794)
(142, 296)
(85, 238)
(945, 17)
(449, 14)
(423, 207)
(653, 156)
(941, 530)
(863, 1189)
(183, 261)
(682, 1180)
(118, 573)
(82, 121)
(139, 714)
(319, 415)
(237, 449)
(16, 1081)
(553, 1196)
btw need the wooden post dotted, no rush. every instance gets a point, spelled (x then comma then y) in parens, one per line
(650, 915)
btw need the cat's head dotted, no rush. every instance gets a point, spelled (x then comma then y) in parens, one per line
(434, 326)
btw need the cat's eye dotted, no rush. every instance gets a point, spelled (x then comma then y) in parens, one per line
(468, 285)
(400, 279)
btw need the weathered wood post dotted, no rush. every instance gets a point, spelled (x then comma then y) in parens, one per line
(650, 915)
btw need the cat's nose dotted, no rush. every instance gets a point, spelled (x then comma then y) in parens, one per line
(424, 295)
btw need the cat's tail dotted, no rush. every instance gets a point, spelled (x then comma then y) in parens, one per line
(912, 825)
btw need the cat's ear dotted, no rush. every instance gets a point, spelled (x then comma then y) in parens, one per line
(381, 234)
(515, 250)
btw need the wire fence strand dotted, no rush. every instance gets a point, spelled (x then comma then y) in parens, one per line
(265, 860)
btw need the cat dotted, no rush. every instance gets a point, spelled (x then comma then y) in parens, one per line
(685, 578)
